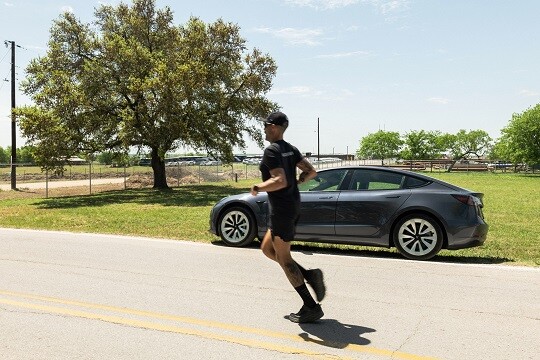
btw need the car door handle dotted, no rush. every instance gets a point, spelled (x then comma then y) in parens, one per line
(326, 197)
(393, 197)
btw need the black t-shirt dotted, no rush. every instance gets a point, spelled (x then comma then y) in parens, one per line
(281, 154)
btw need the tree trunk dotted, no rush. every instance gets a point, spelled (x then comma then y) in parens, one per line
(158, 165)
(451, 166)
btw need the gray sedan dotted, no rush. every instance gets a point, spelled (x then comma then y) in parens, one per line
(366, 205)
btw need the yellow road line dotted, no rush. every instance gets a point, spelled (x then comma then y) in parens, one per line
(193, 321)
(165, 328)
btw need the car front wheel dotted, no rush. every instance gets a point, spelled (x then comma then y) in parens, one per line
(237, 227)
(418, 237)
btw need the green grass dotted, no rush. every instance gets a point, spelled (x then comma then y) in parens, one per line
(179, 213)
(512, 209)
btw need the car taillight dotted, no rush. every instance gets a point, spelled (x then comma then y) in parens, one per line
(466, 199)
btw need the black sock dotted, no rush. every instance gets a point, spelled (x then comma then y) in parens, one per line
(304, 293)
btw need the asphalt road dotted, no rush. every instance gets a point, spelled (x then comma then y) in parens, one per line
(81, 296)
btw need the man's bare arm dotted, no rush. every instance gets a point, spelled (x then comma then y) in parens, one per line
(308, 171)
(277, 181)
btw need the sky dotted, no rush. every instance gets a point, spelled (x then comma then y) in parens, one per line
(347, 68)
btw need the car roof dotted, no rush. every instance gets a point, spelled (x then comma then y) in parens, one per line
(396, 171)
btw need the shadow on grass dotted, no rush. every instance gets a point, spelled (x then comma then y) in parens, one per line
(382, 253)
(200, 195)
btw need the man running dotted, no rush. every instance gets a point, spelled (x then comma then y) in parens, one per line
(278, 170)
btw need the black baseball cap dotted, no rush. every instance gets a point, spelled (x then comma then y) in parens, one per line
(277, 118)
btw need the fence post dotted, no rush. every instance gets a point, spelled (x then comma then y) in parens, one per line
(90, 176)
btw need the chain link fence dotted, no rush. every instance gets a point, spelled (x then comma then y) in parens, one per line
(92, 177)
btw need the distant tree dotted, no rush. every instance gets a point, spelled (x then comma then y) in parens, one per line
(105, 158)
(422, 145)
(500, 151)
(520, 140)
(133, 79)
(380, 145)
(4, 156)
(115, 158)
(464, 144)
(25, 155)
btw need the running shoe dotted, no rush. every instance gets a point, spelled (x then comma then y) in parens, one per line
(307, 314)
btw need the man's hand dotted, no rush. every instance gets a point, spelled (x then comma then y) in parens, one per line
(254, 190)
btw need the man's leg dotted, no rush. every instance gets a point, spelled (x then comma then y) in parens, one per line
(280, 251)
(313, 277)
(310, 311)
(283, 257)
(267, 246)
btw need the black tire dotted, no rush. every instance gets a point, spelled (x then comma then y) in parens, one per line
(237, 227)
(418, 237)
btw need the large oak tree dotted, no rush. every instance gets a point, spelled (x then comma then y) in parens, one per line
(132, 78)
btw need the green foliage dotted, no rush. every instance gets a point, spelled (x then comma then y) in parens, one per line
(110, 158)
(520, 140)
(465, 144)
(474, 142)
(422, 145)
(134, 79)
(380, 145)
(25, 155)
(5, 155)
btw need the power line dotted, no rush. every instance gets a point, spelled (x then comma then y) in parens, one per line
(3, 80)
(3, 57)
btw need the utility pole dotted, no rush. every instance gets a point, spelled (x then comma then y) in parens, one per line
(318, 142)
(13, 123)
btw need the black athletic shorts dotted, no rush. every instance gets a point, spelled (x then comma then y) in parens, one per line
(284, 226)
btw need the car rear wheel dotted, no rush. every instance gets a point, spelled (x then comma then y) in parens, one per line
(418, 237)
(237, 227)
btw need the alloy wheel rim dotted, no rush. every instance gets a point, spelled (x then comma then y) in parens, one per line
(417, 236)
(235, 226)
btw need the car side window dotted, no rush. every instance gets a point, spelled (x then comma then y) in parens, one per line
(368, 179)
(412, 182)
(329, 180)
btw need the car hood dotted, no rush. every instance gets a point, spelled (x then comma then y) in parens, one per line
(244, 197)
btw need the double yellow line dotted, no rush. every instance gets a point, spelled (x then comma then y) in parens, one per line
(116, 319)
